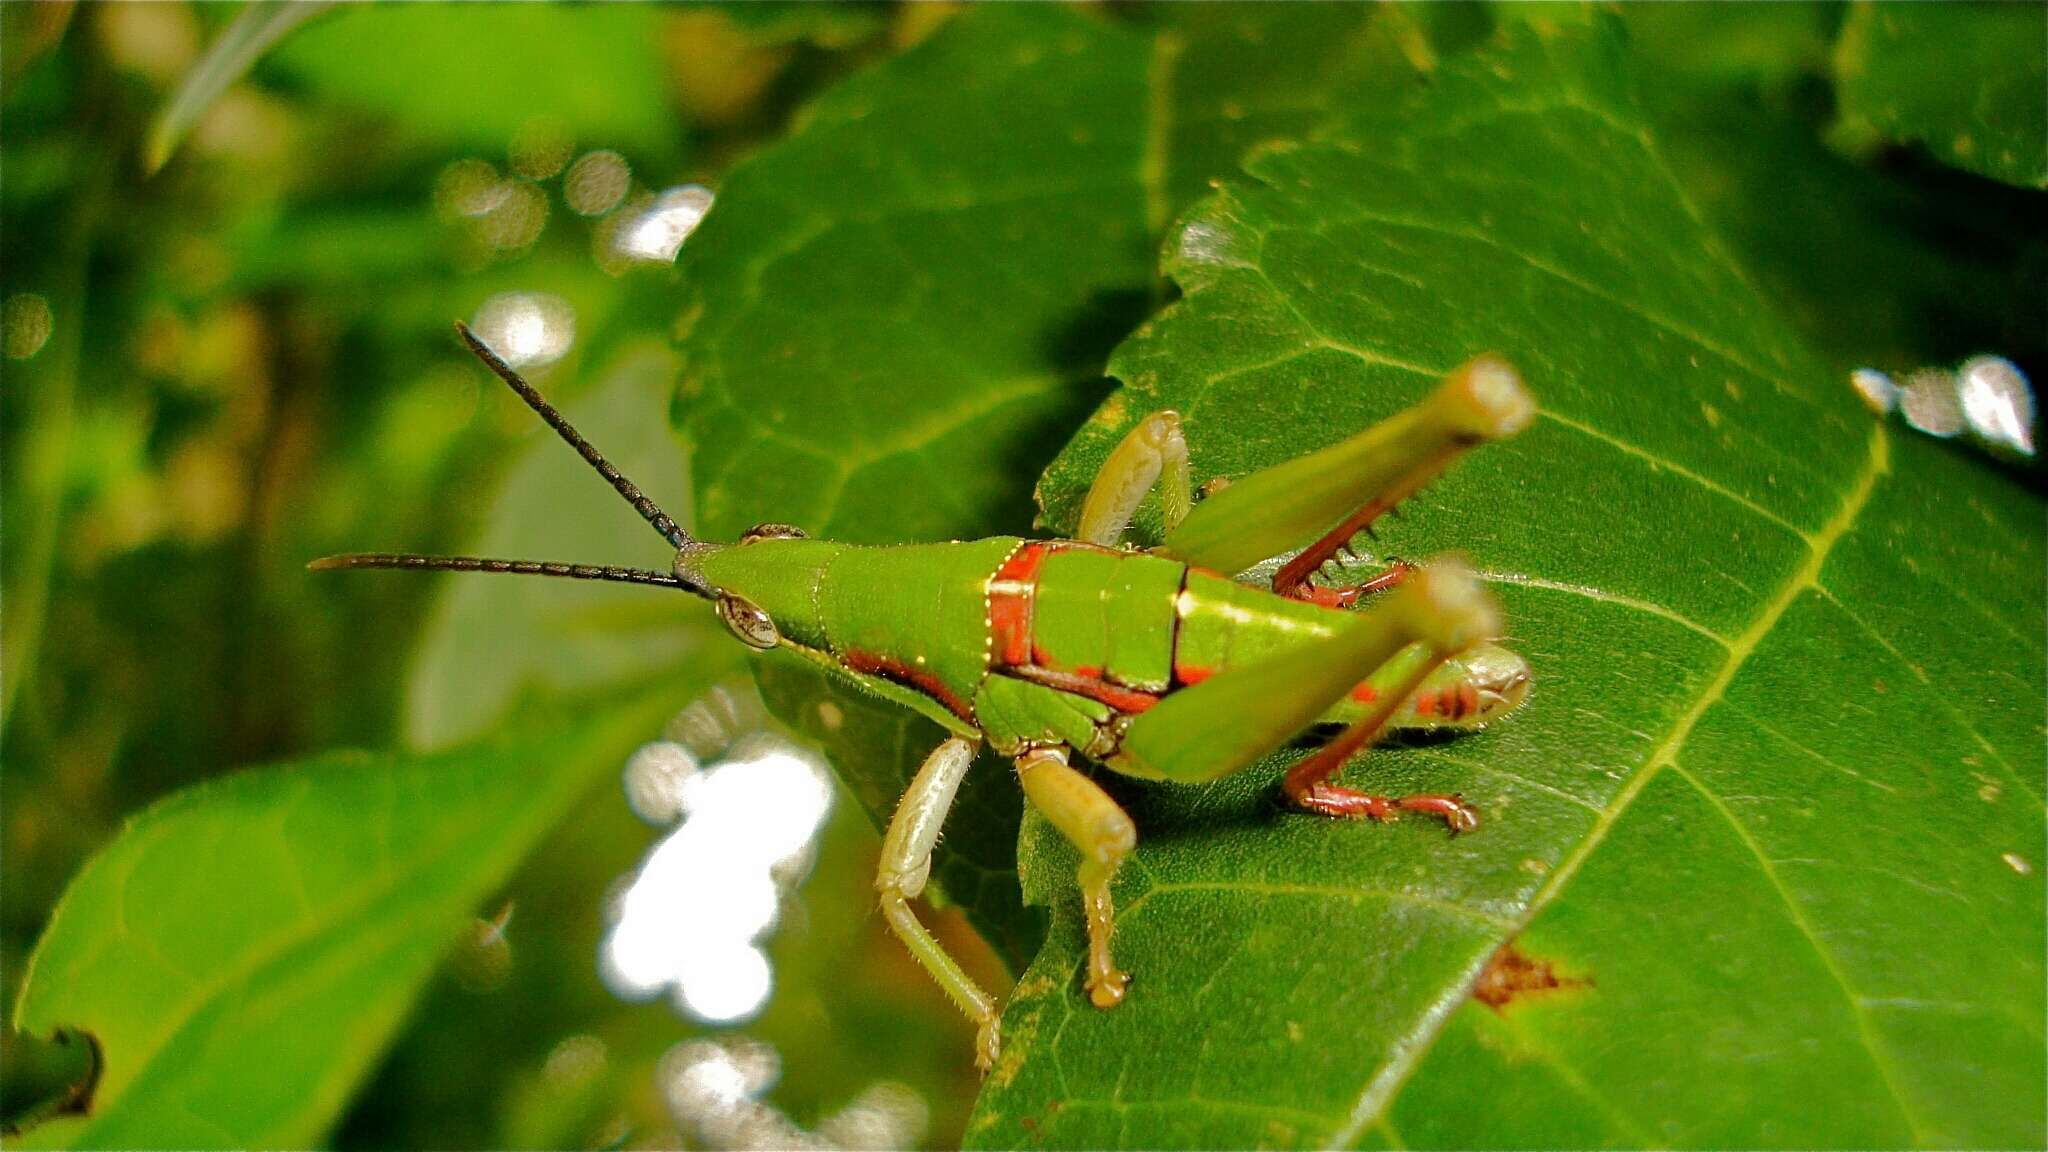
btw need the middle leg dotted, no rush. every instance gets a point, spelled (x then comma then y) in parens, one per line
(907, 865)
(1104, 834)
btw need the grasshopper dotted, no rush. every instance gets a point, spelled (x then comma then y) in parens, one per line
(1154, 664)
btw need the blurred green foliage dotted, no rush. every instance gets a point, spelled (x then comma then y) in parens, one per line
(220, 370)
(249, 364)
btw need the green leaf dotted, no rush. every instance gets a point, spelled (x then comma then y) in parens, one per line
(1765, 845)
(1963, 79)
(884, 312)
(772, 23)
(475, 74)
(245, 950)
(889, 324)
(1893, 265)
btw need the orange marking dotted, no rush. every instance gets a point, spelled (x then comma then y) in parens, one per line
(1190, 674)
(1365, 694)
(1088, 672)
(1425, 704)
(1012, 597)
(1129, 701)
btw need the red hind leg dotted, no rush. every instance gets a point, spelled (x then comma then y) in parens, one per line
(1397, 571)
(1307, 787)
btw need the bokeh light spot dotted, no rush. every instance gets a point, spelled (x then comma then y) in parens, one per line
(25, 321)
(526, 329)
(655, 233)
(541, 147)
(1998, 402)
(596, 183)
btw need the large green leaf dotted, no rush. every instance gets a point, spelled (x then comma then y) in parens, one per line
(894, 307)
(895, 316)
(1963, 79)
(1761, 857)
(244, 951)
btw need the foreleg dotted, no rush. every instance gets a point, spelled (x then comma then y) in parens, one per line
(1153, 453)
(907, 864)
(1093, 823)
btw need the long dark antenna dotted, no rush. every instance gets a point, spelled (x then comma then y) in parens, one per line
(669, 529)
(414, 563)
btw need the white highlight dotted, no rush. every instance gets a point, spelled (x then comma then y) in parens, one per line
(526, 329)
(1998, 402)
(657, 232)
(710, 891)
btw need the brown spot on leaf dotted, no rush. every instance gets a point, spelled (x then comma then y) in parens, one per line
(1512, 974)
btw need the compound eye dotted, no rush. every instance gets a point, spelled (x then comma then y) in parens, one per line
(748, 622)
(772, 531)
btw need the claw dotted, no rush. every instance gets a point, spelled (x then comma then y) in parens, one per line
(988, 1045)
(1108, 991)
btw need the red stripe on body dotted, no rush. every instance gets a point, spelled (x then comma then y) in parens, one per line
(1129, 701)
(909, 676)
(1012, 601)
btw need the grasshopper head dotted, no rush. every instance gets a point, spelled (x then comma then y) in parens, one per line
(765, 586)
(1500, 679)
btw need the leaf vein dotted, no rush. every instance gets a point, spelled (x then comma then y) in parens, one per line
(1380, 1091)
(1879, 1057)
(1941, 699)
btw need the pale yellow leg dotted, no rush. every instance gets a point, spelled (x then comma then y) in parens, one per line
(1152, 453)
(907, 864)
(1088, 818)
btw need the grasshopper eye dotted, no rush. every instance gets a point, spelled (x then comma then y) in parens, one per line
(772, 531)
(754, 627)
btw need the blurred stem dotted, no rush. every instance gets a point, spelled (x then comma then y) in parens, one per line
(48, 390)
(259, 26)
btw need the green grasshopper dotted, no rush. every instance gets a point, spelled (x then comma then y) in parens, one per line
(1153, 663)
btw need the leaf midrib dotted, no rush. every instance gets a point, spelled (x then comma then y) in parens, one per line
(1384, 1088)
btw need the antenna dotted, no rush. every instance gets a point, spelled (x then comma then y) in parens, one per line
(648, 509)
(417, 563)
